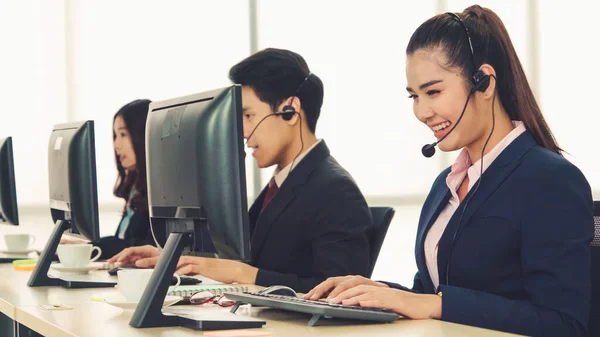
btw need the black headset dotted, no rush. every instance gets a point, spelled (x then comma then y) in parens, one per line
(288, 111)
(481, 82)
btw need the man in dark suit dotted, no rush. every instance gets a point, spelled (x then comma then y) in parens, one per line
(311, 221)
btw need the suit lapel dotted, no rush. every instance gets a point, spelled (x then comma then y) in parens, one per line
(439, 201)
(255, 209)
(284, 196)
(491, 180)
(269, 214)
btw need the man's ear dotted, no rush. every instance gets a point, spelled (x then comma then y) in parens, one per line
(297, 105)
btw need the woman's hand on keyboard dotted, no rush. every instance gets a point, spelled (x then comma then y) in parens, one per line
(411, 305)
(129, 256)
(333, 286)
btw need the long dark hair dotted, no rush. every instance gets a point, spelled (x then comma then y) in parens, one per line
(134, 114)
(491, 45)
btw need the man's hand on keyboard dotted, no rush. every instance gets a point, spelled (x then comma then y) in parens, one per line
(129, 256)
(222, 270)
(333, 286)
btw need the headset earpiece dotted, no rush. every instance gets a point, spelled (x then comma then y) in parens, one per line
(481, 81)
(287, 113)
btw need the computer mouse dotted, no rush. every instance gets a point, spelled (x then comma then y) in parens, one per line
(278, 290)
(113, 271)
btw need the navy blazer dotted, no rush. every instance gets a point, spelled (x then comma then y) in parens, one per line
(316, 226)
(137, 234)
(521, 260)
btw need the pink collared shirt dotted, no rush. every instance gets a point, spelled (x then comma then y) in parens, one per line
(460, 169)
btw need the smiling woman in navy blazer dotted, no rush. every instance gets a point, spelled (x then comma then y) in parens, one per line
(504, 234)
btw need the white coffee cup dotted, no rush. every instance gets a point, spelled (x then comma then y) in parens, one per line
(77, 255)
(18, 242)
(133, 282)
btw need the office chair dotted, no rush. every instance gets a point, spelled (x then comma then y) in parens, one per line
(382, 217)
(594, 324)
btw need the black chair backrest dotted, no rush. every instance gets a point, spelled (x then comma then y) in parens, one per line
(594, 325)
(382, 217)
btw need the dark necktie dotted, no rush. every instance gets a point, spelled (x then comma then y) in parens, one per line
(270, 192)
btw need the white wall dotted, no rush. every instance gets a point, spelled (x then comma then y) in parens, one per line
(367, 118)
(569, 80)
(150, 49)
(33, 92)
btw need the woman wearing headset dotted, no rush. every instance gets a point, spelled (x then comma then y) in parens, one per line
(504, 234)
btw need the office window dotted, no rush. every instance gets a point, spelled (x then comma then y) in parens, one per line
(126, 50)
(367, 118)
(32, 87)
(568, 86)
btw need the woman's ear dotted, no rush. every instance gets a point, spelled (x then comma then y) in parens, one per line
(490, 71)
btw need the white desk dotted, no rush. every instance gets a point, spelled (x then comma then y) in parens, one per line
(20, 303)
(100, 320)
(13, 284)
(94, 319)
(14, 292)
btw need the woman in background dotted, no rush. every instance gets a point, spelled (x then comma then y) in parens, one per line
(129, 141)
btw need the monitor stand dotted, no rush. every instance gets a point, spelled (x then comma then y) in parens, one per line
(40, 278)
(148, 313)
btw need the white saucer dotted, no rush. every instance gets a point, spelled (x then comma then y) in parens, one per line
(17, 252)
(76, 270)
(121, 302)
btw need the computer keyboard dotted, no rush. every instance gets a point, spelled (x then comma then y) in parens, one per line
(316, 308)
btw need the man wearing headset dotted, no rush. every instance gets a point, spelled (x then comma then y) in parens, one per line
(311, 221)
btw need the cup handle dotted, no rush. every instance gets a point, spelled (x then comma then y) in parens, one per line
(31, 240)
(97, 255)
(178, 282)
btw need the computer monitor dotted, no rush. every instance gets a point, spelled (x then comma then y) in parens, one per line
(196, 172)
(72, 178)
(9, 212)
(196, 185)
(73, 195)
